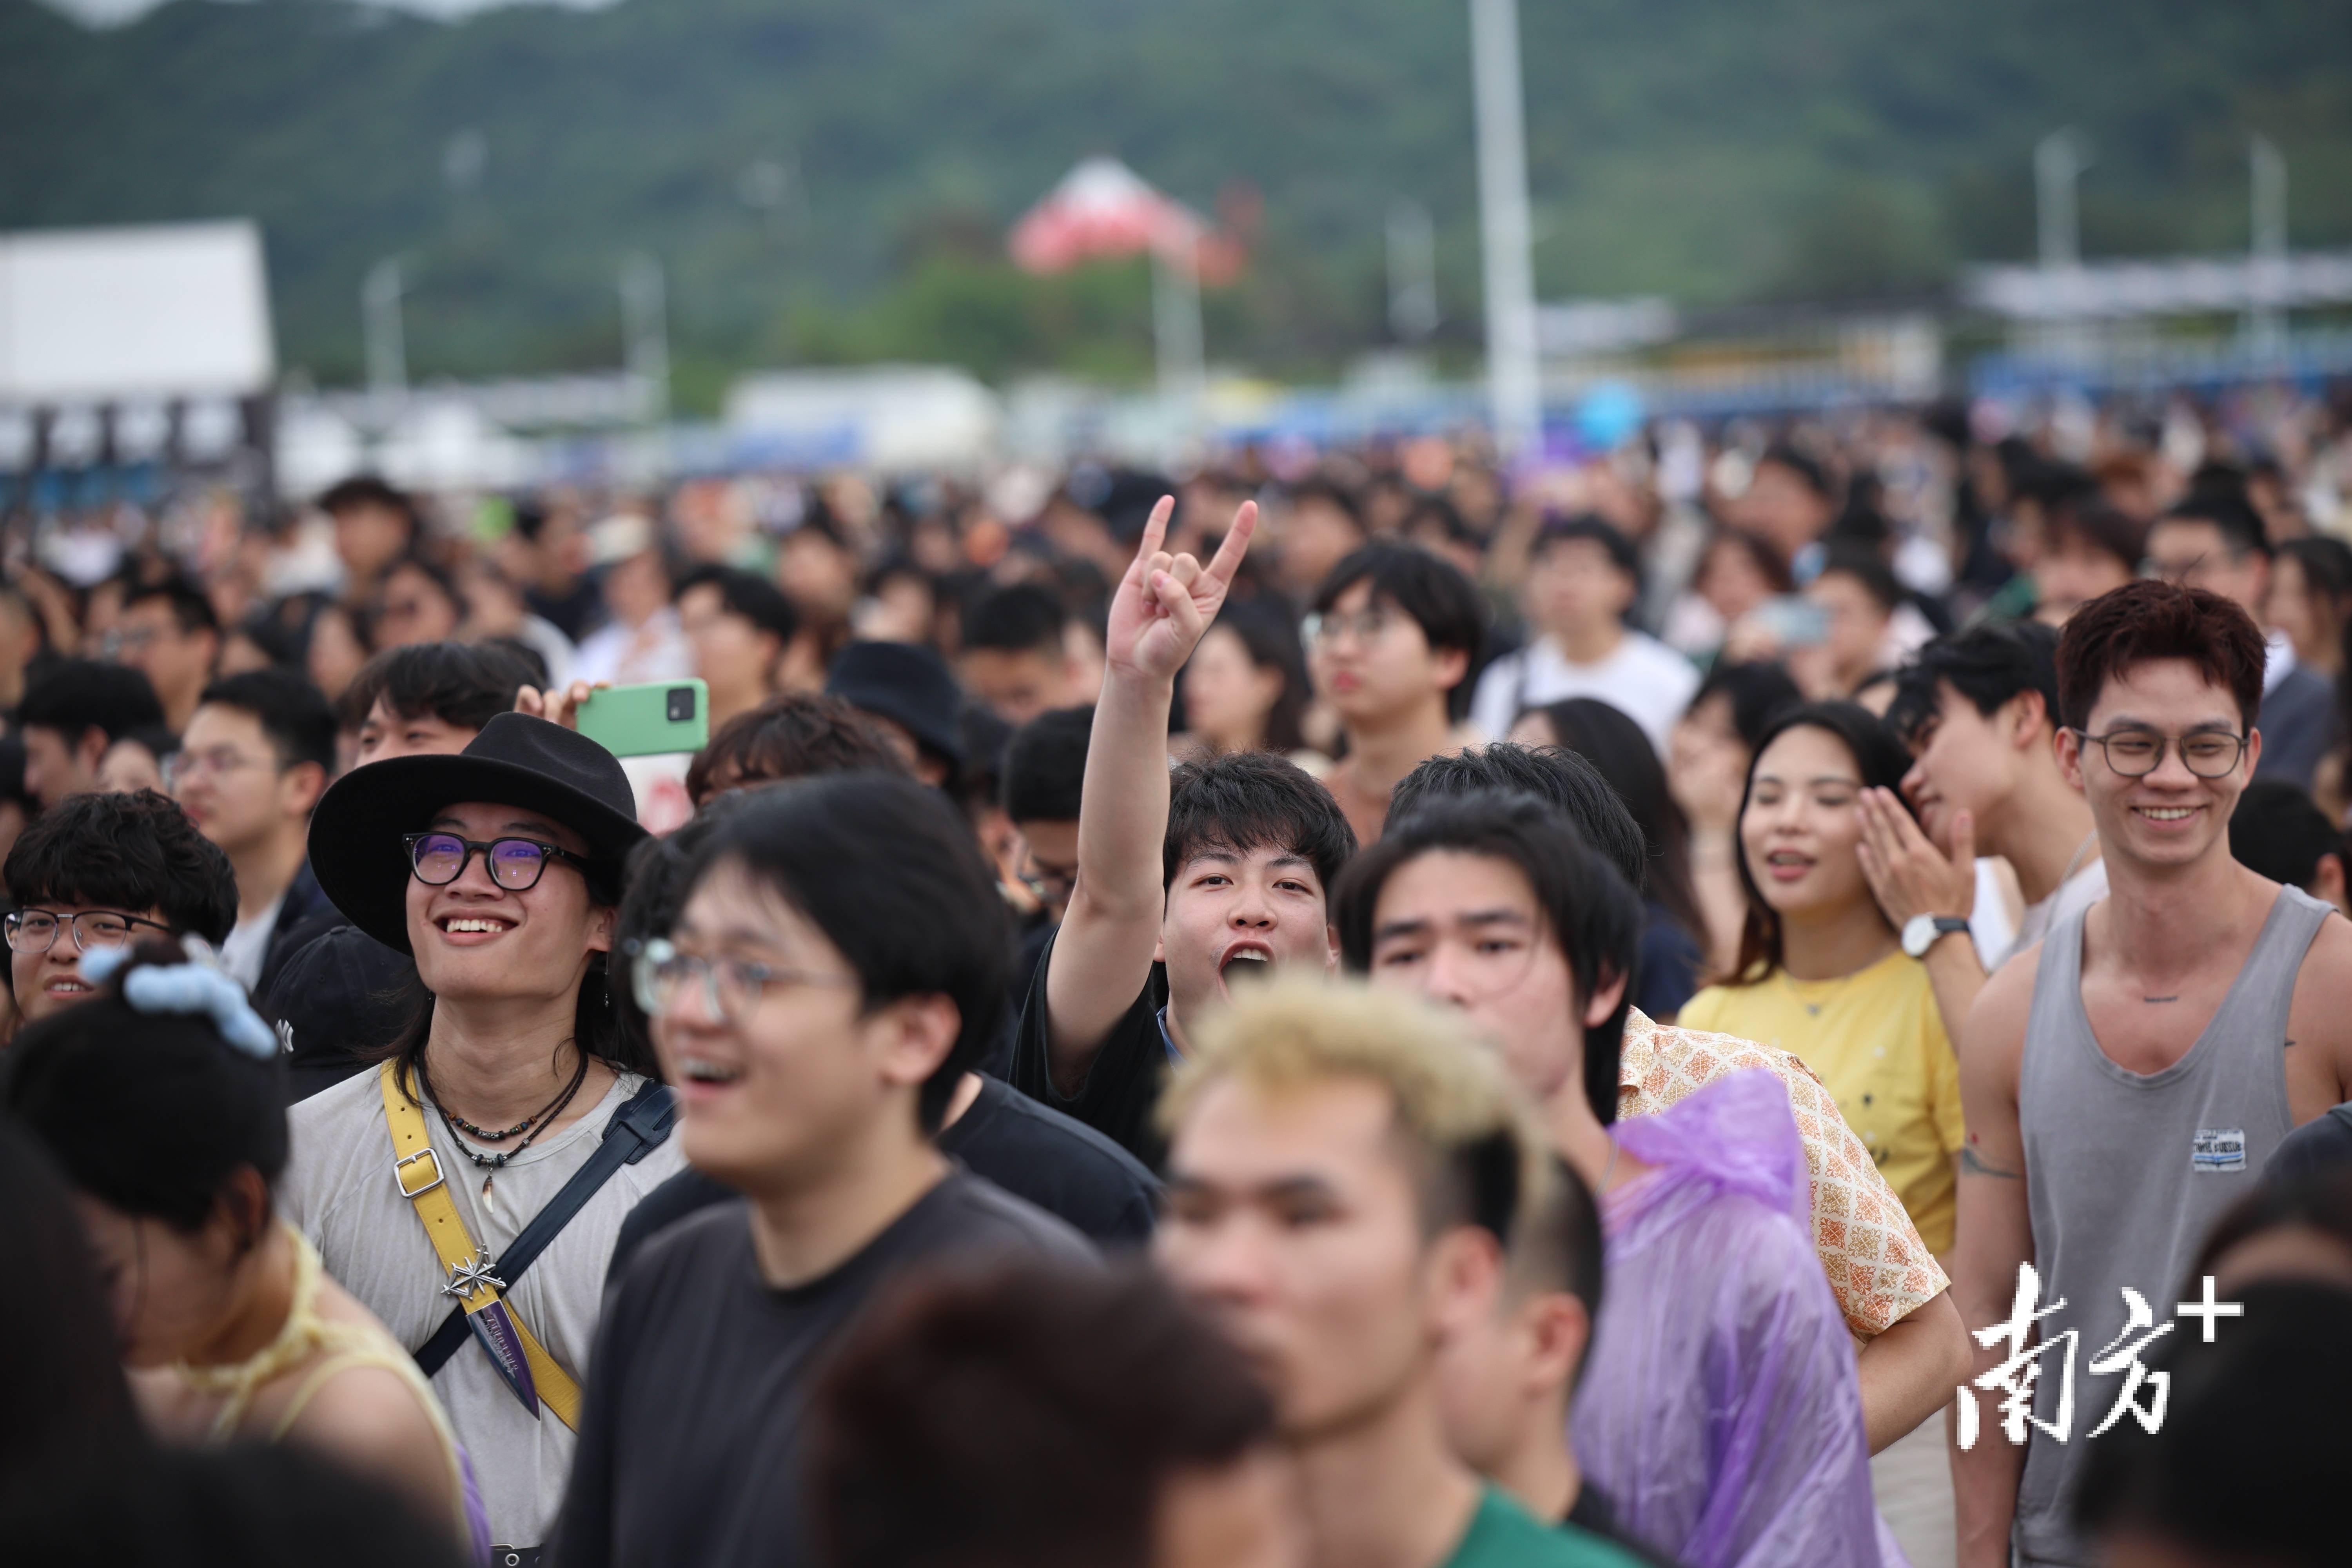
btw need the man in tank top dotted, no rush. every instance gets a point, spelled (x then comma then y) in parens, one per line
(2124, 1081)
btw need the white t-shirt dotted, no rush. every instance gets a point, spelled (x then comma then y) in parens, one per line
(2079, 891)
(1645, 678)
(339, 1191)
(244, 950)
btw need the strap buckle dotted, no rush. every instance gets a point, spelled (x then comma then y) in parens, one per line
(400, 1173)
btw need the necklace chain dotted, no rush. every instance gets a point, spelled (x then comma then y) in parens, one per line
(535, 1125)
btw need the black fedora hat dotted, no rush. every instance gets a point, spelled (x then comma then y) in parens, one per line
(355, 847)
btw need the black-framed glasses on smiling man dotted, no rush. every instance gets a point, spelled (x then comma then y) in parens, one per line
(438, 859)
(2135, 754)
(33, 931)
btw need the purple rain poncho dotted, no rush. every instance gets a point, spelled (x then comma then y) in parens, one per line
(1720, 1412)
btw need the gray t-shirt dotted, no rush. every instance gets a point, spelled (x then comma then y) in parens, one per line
(339, 1190)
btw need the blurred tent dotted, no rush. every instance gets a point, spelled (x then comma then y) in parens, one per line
(1103, 209)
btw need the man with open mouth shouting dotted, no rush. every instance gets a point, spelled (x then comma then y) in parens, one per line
(1182, 888)
(500, 869)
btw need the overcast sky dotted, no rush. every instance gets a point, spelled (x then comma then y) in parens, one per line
(107, 13)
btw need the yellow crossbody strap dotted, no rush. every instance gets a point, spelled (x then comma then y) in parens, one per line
(417, 1170)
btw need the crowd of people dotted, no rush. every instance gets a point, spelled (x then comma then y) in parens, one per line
(1368, 1008)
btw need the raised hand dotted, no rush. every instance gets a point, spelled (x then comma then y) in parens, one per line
(1165, 603)
(1906, 872)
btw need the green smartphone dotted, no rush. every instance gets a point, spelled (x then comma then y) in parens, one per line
(648, 720)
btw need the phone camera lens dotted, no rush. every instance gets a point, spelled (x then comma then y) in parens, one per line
(681, 704)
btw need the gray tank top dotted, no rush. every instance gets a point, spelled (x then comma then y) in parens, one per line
(2126, 1172)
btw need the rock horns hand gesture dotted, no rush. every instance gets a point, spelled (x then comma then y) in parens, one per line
(1165, 602)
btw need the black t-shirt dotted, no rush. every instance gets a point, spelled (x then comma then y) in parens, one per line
(693, 1431)
(1123, 1084)
(1070, 1171)
(1593, 1515)
(2318, 1147)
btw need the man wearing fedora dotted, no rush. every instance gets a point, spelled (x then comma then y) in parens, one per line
(498, 869)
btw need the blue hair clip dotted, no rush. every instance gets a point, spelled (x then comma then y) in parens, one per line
(195, 987)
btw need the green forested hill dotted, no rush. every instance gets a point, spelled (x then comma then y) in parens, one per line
(831, 178)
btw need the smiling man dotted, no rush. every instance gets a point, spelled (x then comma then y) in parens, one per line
(2125, 1082)
(1177, 886)
(498, 869)
(100, 870)
(833, 972)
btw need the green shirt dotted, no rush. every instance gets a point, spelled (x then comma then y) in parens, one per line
(1502, 1534)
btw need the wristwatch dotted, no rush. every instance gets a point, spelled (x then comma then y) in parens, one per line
(1921, 932)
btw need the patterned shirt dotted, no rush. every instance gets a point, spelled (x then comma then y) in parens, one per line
(1879, 1267)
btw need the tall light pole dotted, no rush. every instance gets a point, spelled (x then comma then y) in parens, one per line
(1413, 271)
(2266, 317)
(2059, 159)
(645, 330)
(1513, 385)
(387, 350)
(1178, 336)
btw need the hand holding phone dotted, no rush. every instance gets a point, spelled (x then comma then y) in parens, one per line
(653, 719)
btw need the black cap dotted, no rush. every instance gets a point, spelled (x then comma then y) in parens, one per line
(907, 684)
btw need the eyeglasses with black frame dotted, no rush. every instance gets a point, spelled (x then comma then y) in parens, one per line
(35, 930)
(730, 987)
(2135, 754)
(438, 859)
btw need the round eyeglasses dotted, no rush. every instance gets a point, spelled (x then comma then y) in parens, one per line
(516, 863)
(728, 988)
(33, 930)
(2135, 754)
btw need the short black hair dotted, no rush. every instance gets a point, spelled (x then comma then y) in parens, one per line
(368, 489)
(1045, 766)
(2277, 831)
(1254, 800)
(1316, 487)
(79, 695)
(127, 852)
(2242, 530)
(1592, 912)
(1988, 665)
(2254, 1420)
(1862, 564)
(1555, 1245)
(432, 572)
(1022, 618)
(151, 1113)
(1566, 782)
(889, 872)
(191, 609)
(1755, 691)
(790, 737)
(1032, 1415)
(745, 594)
(1593, 526)
(2099, 526)
(1446, 605)
(294, 713)
(464, 684)
(1782, 454)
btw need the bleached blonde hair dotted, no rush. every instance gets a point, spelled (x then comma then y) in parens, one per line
(1482, 1154)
